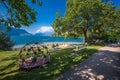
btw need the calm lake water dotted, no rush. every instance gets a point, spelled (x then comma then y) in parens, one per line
(21, 40)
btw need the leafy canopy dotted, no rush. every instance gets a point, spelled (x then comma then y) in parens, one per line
(17, 12)
(86, 16)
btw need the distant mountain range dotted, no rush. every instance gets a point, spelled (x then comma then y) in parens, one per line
(22, 32)
(14, 31)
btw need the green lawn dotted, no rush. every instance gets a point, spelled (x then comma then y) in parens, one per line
(61, 61)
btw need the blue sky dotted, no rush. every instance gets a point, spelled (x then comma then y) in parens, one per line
(47, 13)
(116, 2)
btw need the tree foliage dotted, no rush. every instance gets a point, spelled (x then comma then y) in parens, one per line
(5, 42)
(17, 12)
(87, 16)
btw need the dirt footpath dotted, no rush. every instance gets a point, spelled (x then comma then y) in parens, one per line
(103, 65)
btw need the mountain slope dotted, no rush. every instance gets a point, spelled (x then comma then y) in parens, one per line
(14, 31)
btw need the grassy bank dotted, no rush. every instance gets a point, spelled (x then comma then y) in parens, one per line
(61, 61)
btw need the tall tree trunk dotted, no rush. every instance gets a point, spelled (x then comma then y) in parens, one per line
(85, 35)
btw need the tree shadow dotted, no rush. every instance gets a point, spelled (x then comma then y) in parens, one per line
(103, 65)
(8, 66)
(10, 58)
(61, 61)
(8, 72)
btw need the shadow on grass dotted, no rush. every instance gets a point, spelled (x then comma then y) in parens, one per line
(10, 58)
(8, 66)
(104, 65)
(61, 61)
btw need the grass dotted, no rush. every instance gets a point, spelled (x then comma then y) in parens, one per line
(61, 61)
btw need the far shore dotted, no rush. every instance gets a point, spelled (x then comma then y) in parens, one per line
(48, 44)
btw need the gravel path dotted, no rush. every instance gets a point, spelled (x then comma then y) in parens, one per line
(103, 65)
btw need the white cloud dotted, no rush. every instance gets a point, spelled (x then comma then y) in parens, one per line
(45, 29)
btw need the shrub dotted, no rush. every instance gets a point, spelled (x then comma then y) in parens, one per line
(5, 41)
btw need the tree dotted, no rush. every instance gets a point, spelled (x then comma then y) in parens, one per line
(5, 42)
(56, 25)
(83, 16)
(105, 21)
(17, 13)
(114, 30)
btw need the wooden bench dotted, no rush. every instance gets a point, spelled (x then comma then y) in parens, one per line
(80, 48)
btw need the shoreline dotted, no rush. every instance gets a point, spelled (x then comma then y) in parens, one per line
(48, 43)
